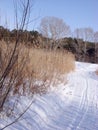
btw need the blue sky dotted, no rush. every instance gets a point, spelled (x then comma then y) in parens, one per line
(76, 13)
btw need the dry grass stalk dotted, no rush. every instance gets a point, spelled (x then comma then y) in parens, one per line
(49, 64)
(36, 64)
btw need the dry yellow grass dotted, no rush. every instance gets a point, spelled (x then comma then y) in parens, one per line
(37, 64)
(46, 64)
(43, 64)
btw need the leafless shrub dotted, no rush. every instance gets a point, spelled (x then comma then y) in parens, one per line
(10, 67)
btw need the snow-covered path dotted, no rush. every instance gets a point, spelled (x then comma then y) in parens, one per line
(84, 89)
(70, 107)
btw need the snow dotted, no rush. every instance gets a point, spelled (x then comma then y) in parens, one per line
(73, 106)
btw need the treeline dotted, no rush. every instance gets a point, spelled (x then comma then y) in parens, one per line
(25, 36)
(37, 40)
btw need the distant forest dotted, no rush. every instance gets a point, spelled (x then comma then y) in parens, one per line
(37, 40)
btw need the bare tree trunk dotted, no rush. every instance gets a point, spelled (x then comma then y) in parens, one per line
(84, 57)
(5, 89)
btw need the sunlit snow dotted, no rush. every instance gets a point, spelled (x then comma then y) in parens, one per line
(73, 106)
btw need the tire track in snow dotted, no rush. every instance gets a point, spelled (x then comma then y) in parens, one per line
(85, 105)
(82, 109)
(50, 112)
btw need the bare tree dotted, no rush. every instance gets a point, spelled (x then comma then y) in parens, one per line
(9, 75)
(96, 45)
(78, 34)
(86, 34)
(54, 28)
(96, 37)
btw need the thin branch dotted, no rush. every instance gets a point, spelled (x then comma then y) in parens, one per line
(19, 116)
(16, 43)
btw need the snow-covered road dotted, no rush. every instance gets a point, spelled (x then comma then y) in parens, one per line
(68, 107)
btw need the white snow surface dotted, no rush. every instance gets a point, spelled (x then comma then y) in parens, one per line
(73, 106)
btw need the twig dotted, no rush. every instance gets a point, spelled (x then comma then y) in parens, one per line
(19, 116)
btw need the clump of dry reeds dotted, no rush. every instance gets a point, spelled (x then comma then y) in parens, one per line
(45, 64)
(36, 65)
